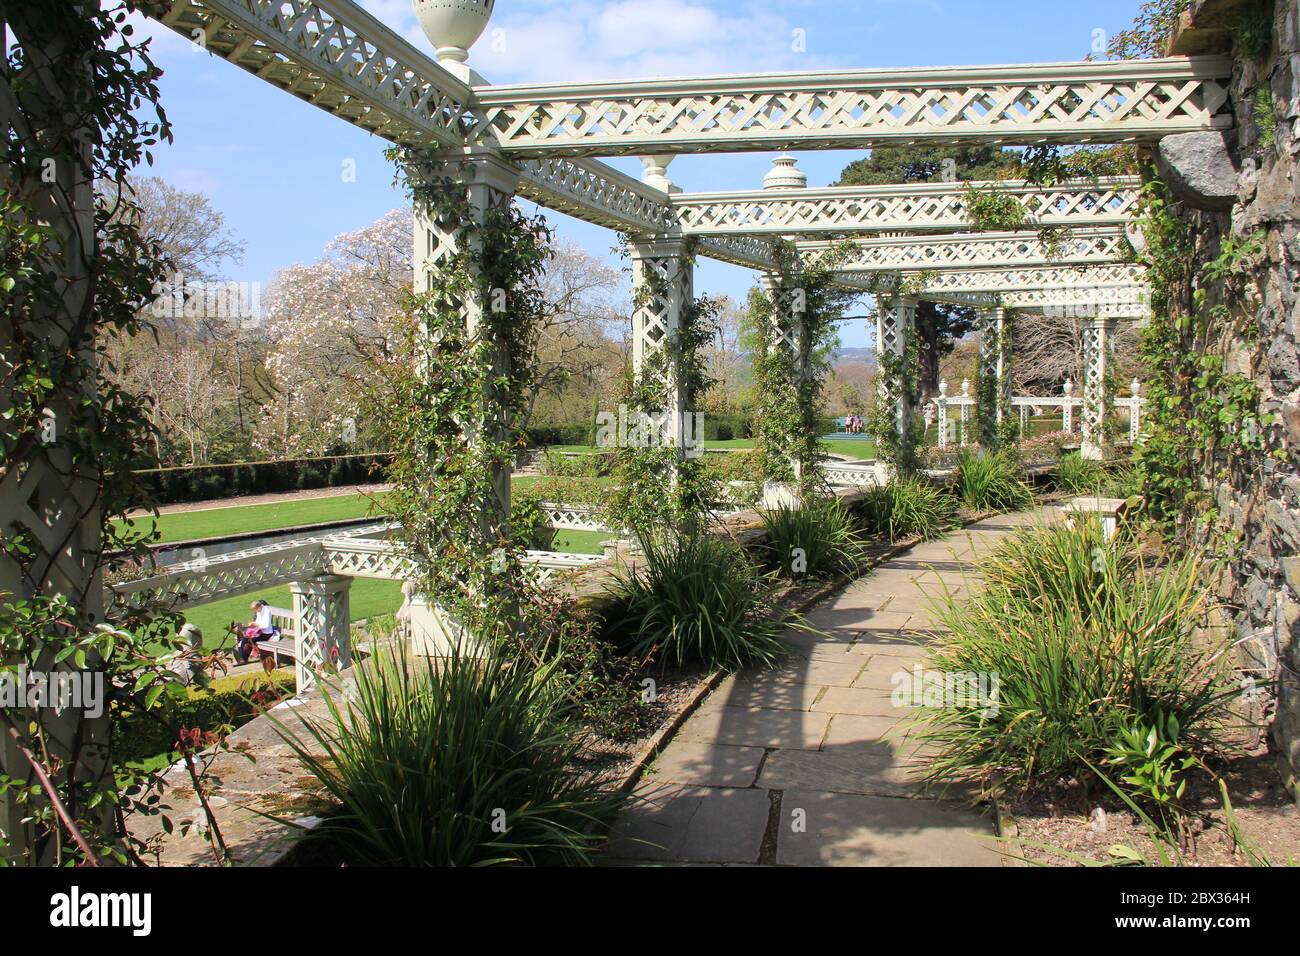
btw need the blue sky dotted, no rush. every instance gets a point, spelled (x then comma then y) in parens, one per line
(274, 164)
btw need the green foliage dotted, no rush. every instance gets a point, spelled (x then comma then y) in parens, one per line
(528, 523)
(1085, 637)
(1265, 112)
(991, 482)
(817, 540)
(1079, 475)
(898, 447)
(794, 334)
(1252, 31)
(889, 165)
(210, 713)
(82, 112)
(1151, 31)
(583, 465)
(698, 600)
(462, 761)
(658, 487)
(1147, 752)
(991, 210)
(906, 508)
(1204, 422)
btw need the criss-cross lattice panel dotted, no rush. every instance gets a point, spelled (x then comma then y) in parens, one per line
(241, 572)
(575, 517)
(851, 476)
(999, 250)
(335, 56)
(369, 558)
(1096, 345)
(1105, 102)
(40, 499)
(596, 193)
(914, 207)
(548, 568)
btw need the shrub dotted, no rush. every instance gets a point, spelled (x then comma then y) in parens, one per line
(905, 508)
(1084, 638)
(698, 600)
(989, 482)
(818, 540)
(455, 762)
(597, 465)
(528, 525)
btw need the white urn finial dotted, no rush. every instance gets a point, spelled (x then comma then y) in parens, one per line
(784, 174)
(965, 387)
(452, 26)
(654, 172)
(943, 387)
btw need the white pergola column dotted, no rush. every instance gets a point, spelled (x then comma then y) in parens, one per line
(489, 182)
(1098, 336)
(321, 621)
(787, 331)
(993, 361)
(895, 322)
(663, 282)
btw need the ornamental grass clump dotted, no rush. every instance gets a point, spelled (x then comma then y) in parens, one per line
(458, 761)
(906, 508)
(1078, 475)
(698, 600)
(1082, 638)
(991, 482)
(818, 540)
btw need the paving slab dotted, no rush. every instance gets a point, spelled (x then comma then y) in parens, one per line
(737, 726)
(710, 764)
(873, 768)
(840, 672)
(856, 830)
(691, 825)
(862, 701)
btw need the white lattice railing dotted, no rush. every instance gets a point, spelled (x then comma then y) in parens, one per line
(575, 517)
(957, 429)
(852, 476)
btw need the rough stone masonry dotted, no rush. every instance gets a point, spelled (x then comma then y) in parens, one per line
(1241, 184)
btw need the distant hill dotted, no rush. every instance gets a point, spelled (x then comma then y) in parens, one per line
(857, 356)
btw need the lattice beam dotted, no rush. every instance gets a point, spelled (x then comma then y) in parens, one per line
(335, 56)
(1103, 102)
(913, 207)
(992, 250)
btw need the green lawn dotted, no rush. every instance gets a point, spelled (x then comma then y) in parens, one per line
(579, 542)
(189, 525)
(369, 598)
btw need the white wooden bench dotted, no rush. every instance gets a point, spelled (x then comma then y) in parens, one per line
(287, 645)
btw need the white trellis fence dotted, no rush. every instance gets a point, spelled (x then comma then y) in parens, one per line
(955, 428)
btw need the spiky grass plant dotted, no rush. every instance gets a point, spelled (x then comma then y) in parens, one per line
(1084, 637)
(1078, 475)
(818, 540)
(991, 482)
(905, 508)
(697, 599)
(457, 761)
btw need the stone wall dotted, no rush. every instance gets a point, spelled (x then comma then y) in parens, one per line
(1242, 186)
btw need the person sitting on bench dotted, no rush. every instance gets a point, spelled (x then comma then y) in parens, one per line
(261, 629)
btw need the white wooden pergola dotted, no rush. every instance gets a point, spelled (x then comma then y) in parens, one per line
(546, 143)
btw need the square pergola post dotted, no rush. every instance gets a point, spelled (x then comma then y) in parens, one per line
(663, 281)
(1098, 336)
(488, 183)
(895, 323)
(993, 359)
(787, 334)
(321, 621)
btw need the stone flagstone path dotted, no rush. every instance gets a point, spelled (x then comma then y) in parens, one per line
(809, 764)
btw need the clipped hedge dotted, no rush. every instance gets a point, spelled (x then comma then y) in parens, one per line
(205, 482)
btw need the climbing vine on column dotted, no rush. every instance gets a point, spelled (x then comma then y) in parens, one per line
(1204, 421)
(658, 488)
(794, 331)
